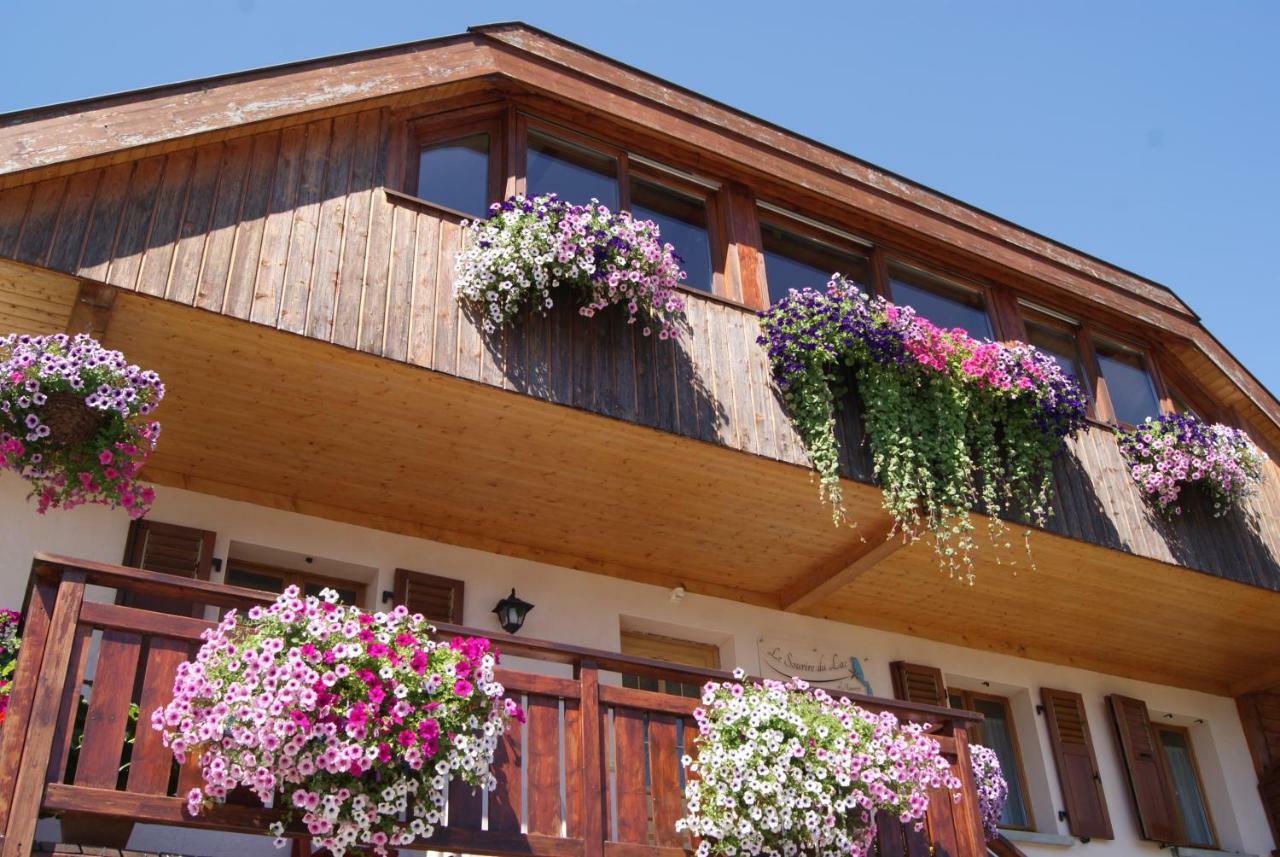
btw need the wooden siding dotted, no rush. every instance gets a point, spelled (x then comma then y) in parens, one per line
(292, 229)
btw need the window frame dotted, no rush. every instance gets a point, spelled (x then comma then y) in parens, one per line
(637, 163)
(648, 641)
(985, 291)
(838, 240)
(1158, 727)
(1100, 336)
(294, 577)
(425, 131)
(967, 697)
(1040, 316)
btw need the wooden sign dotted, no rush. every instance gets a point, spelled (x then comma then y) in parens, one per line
(824, 667)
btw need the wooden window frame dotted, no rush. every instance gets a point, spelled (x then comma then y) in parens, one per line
(711, 661)
(967, 698)
(984, 290)
(1158, 727)
(424, 131)
(457, 587)
(1063, 323)
(1100, 336)
(629, 165)
(294, 577)
(839, 240)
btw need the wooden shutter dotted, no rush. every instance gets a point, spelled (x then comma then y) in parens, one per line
(169, 549)
(1087, 815)
(916, 683)
(437, 598)
(1152, 795)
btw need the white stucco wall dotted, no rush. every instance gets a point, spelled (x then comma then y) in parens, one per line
(589, 610)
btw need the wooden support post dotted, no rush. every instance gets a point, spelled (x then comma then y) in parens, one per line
(593, 803)
(39, 611)
(92, 310)
(37, 746)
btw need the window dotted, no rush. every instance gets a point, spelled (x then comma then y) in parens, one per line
(455, 174)
(1188, 790)
(683, 222)
(573, 172)
(1130, 388)
(1181, 405)
(253, 575)
(673, 650)
(438, 598)
(998, 733)
(945, 304)
(796, 261)
(580, 171)
(1060, 341)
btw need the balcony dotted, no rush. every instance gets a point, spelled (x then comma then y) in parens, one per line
(594, 771)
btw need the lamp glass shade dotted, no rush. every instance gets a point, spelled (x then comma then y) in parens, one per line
(511, 612)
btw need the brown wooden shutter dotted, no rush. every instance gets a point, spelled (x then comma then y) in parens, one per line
(437, 598)
(1087, 815)
(916, 683)
(169, 549)
(1152, 795)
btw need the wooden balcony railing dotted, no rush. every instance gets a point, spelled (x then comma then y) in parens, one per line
(594, 771)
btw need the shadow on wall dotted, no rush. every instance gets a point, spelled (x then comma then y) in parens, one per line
(607, 366)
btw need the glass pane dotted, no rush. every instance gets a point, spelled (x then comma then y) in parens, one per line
(254, 580)
(455, 174)
(683, 222)
(345, 594)
(1059, 344)
(1133, 395)
(998, 735)
(1186, 787)
(575, 173)
(944, 306)
(794, 262)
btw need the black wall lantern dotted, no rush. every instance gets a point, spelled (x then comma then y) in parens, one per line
(511, 612)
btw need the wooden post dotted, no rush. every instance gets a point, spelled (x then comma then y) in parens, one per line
(970, 837)
(593, 804)
(29, 783)
(26, 676)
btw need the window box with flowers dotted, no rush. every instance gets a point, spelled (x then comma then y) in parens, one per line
(73, 421)
(359, 719)
(530, 249)
(953, 423)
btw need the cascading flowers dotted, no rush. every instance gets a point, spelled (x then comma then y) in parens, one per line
(358, 718)
(992, 788)
(9, 643)
(954, 423)
(529, 247)
(1174, 451)
(782, 770)
(72, 421)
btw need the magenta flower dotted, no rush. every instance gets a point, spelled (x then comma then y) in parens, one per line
(462, 687)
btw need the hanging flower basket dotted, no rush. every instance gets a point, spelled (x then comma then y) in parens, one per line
(72, 421)
(782, 770)
(953, 423)
(359, 719)
(9, 643)
(1171, 453)
(991, 786)
(529, 251)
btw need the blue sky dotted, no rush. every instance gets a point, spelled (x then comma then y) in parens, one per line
(1147, 134)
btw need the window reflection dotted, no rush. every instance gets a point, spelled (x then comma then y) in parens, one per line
(574, 173)
(682, 221)
(945, 305)
(1060, 344)
(1129, 385)
(455, 174)
(793, 261)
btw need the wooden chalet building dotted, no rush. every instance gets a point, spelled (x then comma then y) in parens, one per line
(279, 245)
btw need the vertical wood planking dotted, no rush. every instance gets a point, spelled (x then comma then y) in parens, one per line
(70, 703)
(631, 799)
(560, 351)
(211, 289)
(664, 781)
(296, 291)
(404, 232)
(702, 373)
(622, 366)
(329, 234)
(592, 767)
(279, 223)
(238, 301)
(151, 762)
(95, 255)
(471, 339)
(355, 234)
(646, 377)
(197, 214)
(573, 787)
(373, 315)
(465, 806)
(504, 801)
(73, 220)
(108, 713)
(42, 215)
(445, 337)
(135, 223)
(13, 211)
(422, 301)
(543, 730)
(166, 223)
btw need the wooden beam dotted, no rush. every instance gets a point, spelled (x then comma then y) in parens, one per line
(92, 310)
(875, 546)
(1268, 679)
